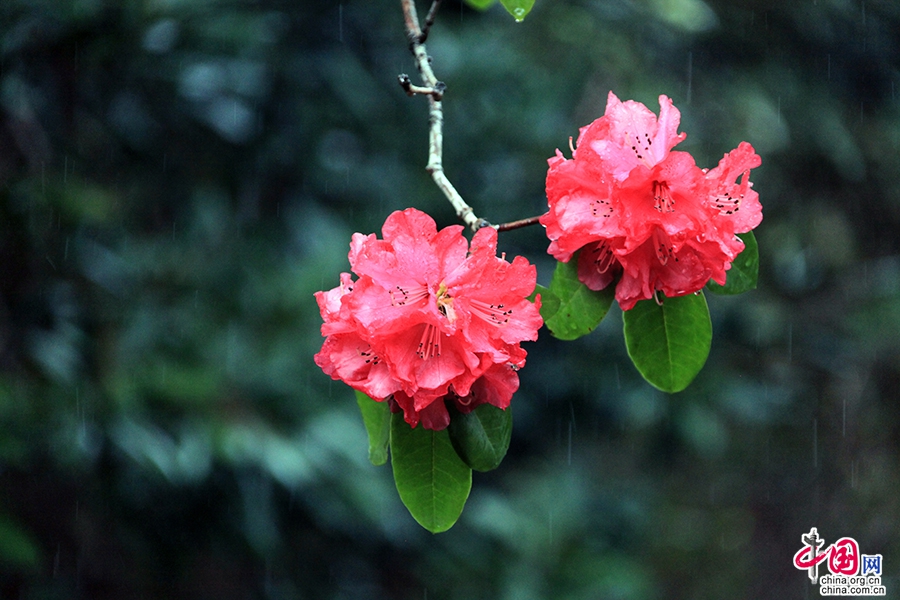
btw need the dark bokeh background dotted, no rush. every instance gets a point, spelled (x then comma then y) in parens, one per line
(178, 177)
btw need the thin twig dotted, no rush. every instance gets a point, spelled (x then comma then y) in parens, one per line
(429, 20)
(518, 224)
(434, 90)
(412, 89)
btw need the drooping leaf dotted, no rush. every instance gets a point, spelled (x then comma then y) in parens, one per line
(480, 4)
(669, 343)
(431, 478)
(481, 437)
(377, 419)
(519, 9)
(580, 309)
(742, 275)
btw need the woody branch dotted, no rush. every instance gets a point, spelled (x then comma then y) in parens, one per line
(434, 91)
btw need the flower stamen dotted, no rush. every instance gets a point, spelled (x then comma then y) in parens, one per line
(663, 250)
(603, 204)
(495, 314)
(727, 204)
(369, 355)
(401, 296)
(430, 343)
(662, 197)
(605, 257)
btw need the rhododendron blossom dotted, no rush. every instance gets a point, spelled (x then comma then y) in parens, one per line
(429, 318)
(642, 214)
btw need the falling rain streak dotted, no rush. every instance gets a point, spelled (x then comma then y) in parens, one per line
(815, 443)
(790, 342)
(690, 76)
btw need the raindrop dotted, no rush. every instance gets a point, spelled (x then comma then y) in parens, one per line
(844, 424)
(569, 457)
(829, 67)
(519, 14)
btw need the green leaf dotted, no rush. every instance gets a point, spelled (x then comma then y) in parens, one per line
(480, 4)
(549, 301)
(432, 479)
(669, 343)
(377, 419)
(580, 309)
(742, 275)
(481, 437)
(519, 9)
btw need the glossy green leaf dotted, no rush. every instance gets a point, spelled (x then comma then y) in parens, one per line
(549, 301)
(669, 343)
(580, 309)
(481, 4)
(377, 419)
(742, 275)
(519, 9)
(481, 437)
(432, 479)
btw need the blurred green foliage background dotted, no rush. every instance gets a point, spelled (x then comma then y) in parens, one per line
(178, 177)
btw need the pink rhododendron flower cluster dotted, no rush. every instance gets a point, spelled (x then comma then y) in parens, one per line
(643, 214)
(429, 318)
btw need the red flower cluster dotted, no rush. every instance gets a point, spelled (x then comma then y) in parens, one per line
(429, 318)
(644, 214)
